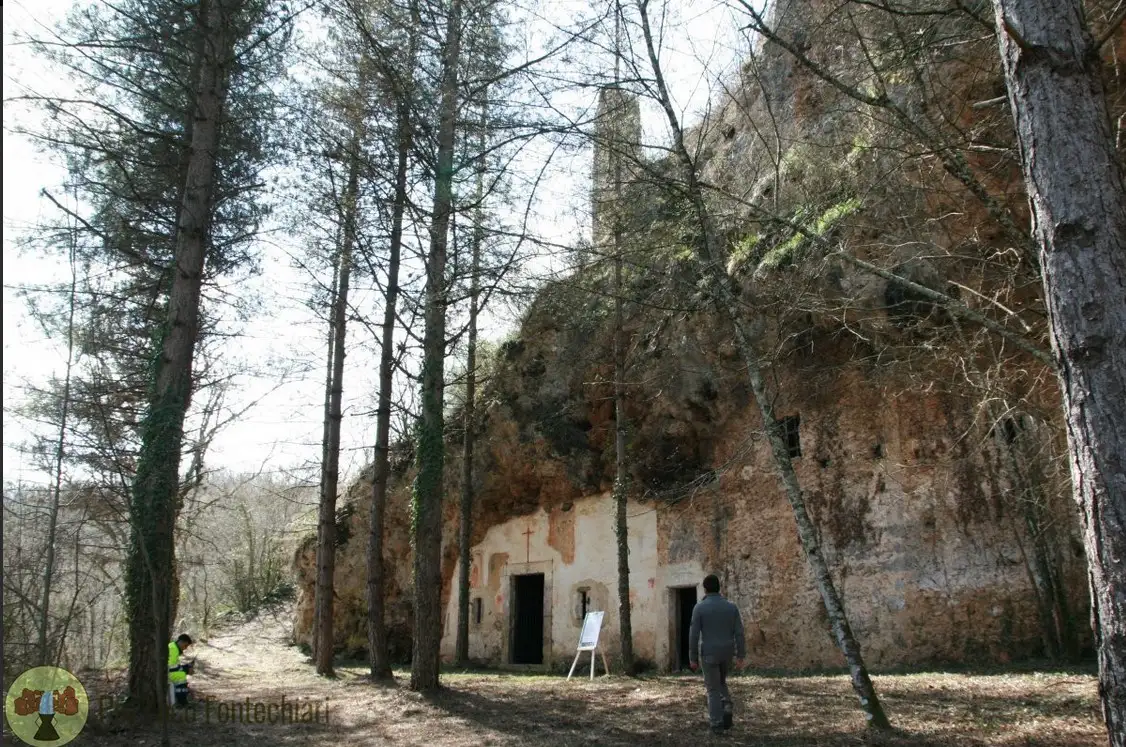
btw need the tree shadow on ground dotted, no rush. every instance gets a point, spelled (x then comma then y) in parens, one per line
(617, 718)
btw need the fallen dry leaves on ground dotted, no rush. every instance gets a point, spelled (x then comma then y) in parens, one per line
(252, 663)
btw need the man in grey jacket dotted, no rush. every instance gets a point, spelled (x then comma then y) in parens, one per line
(715, 638)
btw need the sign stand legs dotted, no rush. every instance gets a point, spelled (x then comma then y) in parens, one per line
(588, 641)
(576, 661)
(604, 664)
(594, 653)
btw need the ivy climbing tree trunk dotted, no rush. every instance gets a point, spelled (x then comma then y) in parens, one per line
(330, 470)
(428, 489)
(155, 500)
(465, 526)
(725, 294)
(1077, 191)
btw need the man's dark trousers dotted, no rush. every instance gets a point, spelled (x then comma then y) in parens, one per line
(719, 697)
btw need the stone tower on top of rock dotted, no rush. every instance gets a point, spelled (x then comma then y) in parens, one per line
(617, 150)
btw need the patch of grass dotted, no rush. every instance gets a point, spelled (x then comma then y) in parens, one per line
(742, 252)
(784, 253)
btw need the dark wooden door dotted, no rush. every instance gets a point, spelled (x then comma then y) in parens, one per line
(527, 632)
(685, 603)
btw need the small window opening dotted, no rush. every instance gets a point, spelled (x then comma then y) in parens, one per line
(789, 426)
(477, 611)
(584, 603)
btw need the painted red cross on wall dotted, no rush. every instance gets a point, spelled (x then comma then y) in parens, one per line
(528, 544)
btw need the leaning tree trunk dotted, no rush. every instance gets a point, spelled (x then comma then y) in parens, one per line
(726, 296)
(324, 593)
(807, 533)
(428, 490)
(465, 527)
(1077, 193)
(155, 496)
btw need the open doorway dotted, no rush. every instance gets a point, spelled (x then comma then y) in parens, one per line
(527, 618)
(682, 602)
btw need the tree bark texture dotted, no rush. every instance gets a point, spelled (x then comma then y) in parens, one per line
(155, 496)
(428, 488)
(1077, 192)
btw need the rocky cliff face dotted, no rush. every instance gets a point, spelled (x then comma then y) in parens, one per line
(916, 503)
(929, 450)
(350, 606)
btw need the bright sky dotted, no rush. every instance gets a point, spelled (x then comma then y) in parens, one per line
(283, 430)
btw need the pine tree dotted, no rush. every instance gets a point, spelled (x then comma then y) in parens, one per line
(1077, 189)
(169, 121)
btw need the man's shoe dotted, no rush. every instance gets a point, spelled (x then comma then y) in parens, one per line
(718, 730)
(727, 720)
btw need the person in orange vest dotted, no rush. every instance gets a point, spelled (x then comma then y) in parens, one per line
(178, 671)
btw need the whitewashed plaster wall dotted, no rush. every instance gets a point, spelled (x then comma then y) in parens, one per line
(537, 544)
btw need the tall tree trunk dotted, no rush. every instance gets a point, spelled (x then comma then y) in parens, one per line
(428, 490)
(465, 525)
(60, 451)
(325, 436)
(621, 474)
(155, 495)
(621, 471)
(378, 652)
(1077, 193)
(726, 295)
(330, 470)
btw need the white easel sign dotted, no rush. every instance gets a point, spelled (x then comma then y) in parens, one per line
(588, 641)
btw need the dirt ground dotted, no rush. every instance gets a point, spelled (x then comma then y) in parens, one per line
(252, 663)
